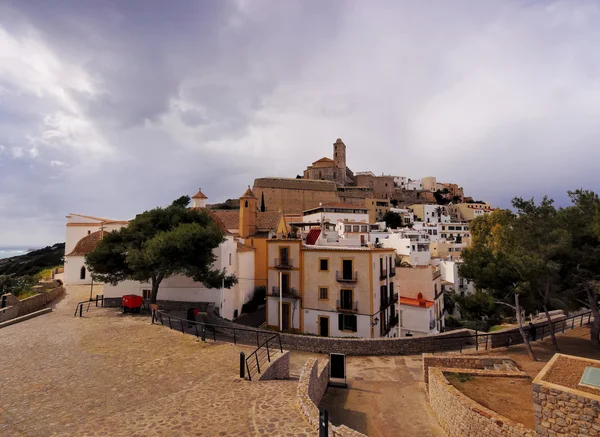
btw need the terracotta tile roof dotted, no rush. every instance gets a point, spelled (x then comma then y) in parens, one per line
(324, 159)
(244, 247)
(87, 244)
(312, 236)
(415, 302)
(230, 218)
(199, 195)
(267, 221)
(248, 193)
(218, 221)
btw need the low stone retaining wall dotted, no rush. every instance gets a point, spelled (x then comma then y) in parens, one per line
(564, 411)
(311, 387)
(459, 361)
(460, 415)
(37, 302)
(9, 312)
(26, 317)
(348, 346)
(279, 368)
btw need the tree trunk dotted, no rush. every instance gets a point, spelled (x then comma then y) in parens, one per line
(521, 330)
(546, 297)
(595, 328)
(155, 281)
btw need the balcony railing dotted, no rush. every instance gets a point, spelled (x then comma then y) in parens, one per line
(392, 272)
(346, 277)
(287, 292)
(383, 274)
(432, 324)
(283, 263)
(436, 274)
(351, 307)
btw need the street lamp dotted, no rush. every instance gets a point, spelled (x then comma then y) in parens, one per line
(375, 321)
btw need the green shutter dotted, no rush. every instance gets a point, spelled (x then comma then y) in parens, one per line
(353, 323)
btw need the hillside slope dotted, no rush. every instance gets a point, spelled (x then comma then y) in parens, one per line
(33, 262)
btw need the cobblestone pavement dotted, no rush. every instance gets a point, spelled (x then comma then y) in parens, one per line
(108, 374)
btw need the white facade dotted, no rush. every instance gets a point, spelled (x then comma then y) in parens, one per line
(418, 321)
(273, 308)
(460, 285)
(363, 325)
(410, 244)
(414, 185)
(184, 289)
(334, 217)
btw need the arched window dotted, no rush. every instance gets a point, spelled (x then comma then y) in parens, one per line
(82, 273)
(246, 204)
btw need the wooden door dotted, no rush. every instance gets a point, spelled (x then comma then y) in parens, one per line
(285, 321)
(324, 326)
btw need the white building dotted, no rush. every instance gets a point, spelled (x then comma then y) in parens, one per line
(452, 281)
(412, 246)
(82, 235)
(333, 211)
(408, 217)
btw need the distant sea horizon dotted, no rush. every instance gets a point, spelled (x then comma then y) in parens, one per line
(8, 252)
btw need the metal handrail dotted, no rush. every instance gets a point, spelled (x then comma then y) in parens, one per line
(477, 340)
(166, 318)
(340, 276)
(265, 344)
(341, 306)
(79, 307)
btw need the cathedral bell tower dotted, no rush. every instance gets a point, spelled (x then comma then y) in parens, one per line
(248, 213)
(339, 157)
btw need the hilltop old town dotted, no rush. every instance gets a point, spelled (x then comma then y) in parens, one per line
(331, 303)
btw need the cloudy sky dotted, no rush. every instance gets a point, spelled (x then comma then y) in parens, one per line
(111, 107)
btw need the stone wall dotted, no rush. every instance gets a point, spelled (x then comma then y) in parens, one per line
(279, 368)
(348, 346)
(294, 195)
(312, 384)
(9, 312)
(562, 411)
(460, 415)
(460, 361)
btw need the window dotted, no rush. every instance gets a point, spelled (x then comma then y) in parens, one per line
(82, 273)
(89, 232)
(146, 294)
(323, 293)
(246, 204)
(443, 228)
(347, 322)
(229, 259)
(363, 229)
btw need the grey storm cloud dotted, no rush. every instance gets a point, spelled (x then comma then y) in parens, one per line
(108, 108)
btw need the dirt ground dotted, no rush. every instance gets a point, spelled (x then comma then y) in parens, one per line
(575, 342)
(510, 397)
(567, 372)
(385, 397)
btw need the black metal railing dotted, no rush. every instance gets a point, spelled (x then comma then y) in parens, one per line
(487, 341)
(263, 354)
(283, 263)
(99, 299)
(346, 276)
(286, 292)
(392, 272)
(382, 274)
(351, 306)
(204, 330)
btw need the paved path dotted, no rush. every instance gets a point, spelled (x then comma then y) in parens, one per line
(109, 374)
(386, 397)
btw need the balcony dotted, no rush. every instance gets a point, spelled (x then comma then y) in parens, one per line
(346, 306)
(392, 272)
(383, 274)
(394, 320)
(287, 292)
(432, 324)
(350, 277)
(283, 263)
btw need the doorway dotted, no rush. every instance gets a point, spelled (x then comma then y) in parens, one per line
(324, 326)
(347, 269)
(285, 320)
(285, 283)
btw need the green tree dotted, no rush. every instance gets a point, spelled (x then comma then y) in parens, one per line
(581, 266)
(160, 243)
(393, 220)
(492, 265)
(477, 306)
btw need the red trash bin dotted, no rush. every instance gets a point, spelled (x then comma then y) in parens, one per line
(132, 303)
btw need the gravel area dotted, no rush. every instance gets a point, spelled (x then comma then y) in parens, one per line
(567, 372)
